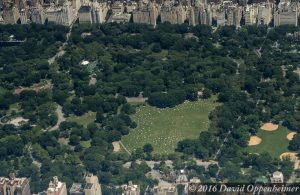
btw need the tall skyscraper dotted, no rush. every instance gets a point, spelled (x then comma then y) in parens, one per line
(93, 13)
(38, 15)
(146, 13)
(91, 186)
(234, 15)
(286, 13)
(264, 15)
(191, 16)
(11, 15)
(14, 186)
(56, 187)
(221, 20)
(175, 14)
(131, 189)
(250, 15)
(60, 15)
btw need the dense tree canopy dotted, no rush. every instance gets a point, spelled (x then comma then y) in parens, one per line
(167, 65)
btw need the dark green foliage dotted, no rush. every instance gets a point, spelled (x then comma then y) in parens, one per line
(148, 148)
(161, 64)
(169, 99)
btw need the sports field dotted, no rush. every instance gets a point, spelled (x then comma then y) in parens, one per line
(163, 128)
(274, 142)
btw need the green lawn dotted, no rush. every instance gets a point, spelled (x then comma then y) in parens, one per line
(16, 107)
(86, 144)
(84, 120)
(160, 55)
(2, 90)
(163, 128)
(274, 142)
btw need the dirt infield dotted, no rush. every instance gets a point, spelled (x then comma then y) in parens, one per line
(290, 136)
(291, 155)
(269, 127)
(117, 146)
(254, 140)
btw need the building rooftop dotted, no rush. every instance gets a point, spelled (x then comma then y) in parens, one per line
(88, 186)
(55, 185)
(76, 187)
(119, 18)
(277, 174)
(84, 9)
(195, 180)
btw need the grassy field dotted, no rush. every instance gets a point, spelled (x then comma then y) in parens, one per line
(274, 142)
(2, 90)
(163, 128)
(86, 144)
(84, 120)
(160, 55)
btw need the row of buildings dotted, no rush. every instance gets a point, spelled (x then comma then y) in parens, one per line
(226, 13)
(20, 186)
(65, 12)
(198, 12)
(37, 12)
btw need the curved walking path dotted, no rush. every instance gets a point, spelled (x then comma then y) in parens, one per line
(60, 116)
(61, 50)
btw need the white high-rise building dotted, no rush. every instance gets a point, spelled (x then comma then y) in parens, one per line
(76, 4)
(99, 12)
(277, 177)
(173, 14)
(93, 13)
(67, 14)
(206, 15)
(85, 14)
(14, 186)
(23, 16)
(286, 14)
(38, 15)
(250, 15)
(11, 15)
(56, 187)
(264, 15)
(234, 16)
(90, 187)
(221, 20)
(60, 15)
(146, 14)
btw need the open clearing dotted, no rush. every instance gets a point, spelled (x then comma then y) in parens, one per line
(117, 146)
(85, 144)
(46, 84)
(18, 121)
(84, 120)
(163, 128)
(274, 142)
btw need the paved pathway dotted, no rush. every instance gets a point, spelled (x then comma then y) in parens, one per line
(60, 116)
(61, 50)
(124, 148)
